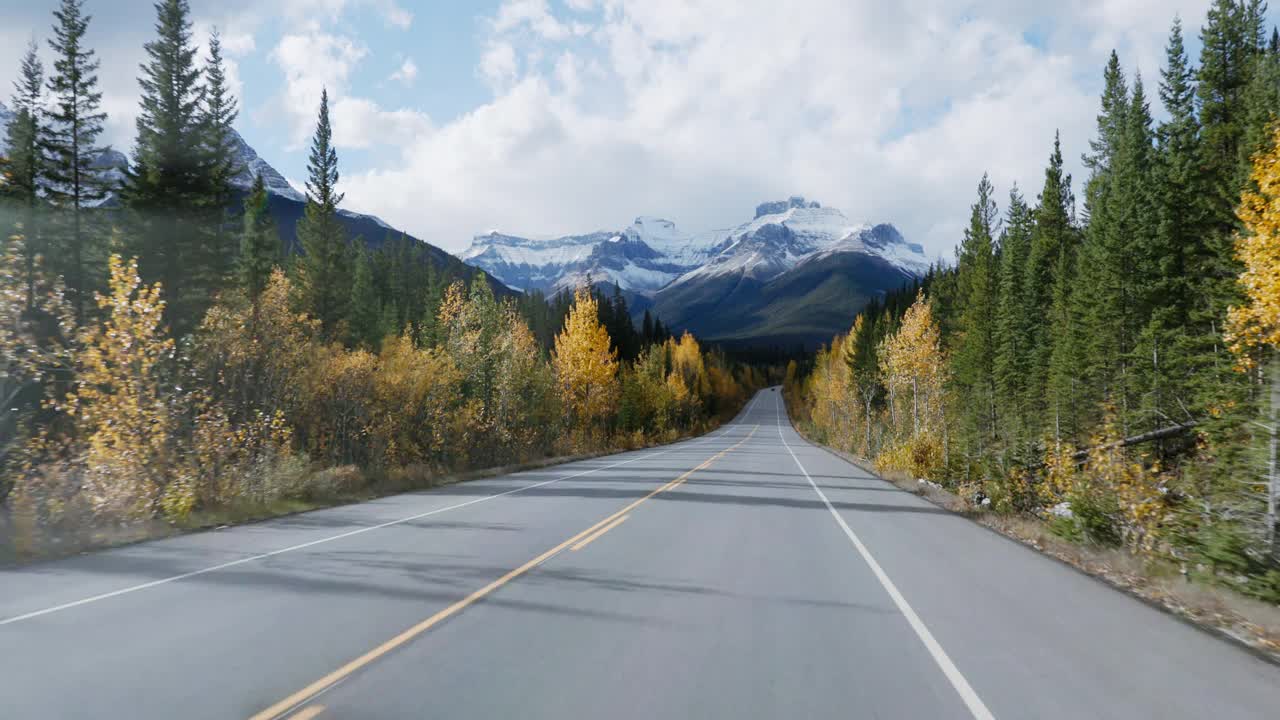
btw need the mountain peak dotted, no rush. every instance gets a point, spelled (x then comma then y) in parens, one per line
(251, 165)
(781, 206)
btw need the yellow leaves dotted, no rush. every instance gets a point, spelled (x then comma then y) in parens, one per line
(1111, 497)
(337, 390)
(913, 355)
(915, 373)
(1257, 323)
(119, 399)
(585, 365)
(415, 395)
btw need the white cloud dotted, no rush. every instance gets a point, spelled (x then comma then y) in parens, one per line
(360, 123)
(406, 73)
(535, 17)
(396, 15)
(698, 109)
(311, 63)
(498, 65)
(694, 109)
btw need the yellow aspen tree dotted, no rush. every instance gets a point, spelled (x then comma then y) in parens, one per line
(120, 403)
(524, 394)
(1253, 330)
(586, 367)
(914, 367)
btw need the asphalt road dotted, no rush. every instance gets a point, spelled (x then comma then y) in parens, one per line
(745, 574)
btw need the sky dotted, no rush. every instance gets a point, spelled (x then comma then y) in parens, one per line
(550, 117)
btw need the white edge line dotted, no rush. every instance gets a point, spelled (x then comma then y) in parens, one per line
(358, 531)
(976, 707)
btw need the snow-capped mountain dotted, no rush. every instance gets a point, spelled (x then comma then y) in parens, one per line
(643, 258)
(652, 254)
(251, 166)
(796, 272)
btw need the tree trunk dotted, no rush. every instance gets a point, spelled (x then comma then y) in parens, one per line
(1273, 475)
(915, 409)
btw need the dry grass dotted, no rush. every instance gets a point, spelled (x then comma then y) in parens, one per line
(289, 489)
(1251, 622)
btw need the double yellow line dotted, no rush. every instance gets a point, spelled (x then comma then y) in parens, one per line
(294, 701)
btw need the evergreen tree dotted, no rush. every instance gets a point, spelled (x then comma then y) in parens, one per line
(646, 328)
(1226, 58)
(259, 243)
(364, 320)
(1014, 323)
(323, 287)
(1113, 268)
(217, 118)
(427, 328)
(69, 143)
(977, 302)
(1170, 342)
(1050, 267)
(170, 182)
(25, 166)
(1111, 124)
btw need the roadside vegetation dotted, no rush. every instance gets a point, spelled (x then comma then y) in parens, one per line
(167, 363)
(1109, 368)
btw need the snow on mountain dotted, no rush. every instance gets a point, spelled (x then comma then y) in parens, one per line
(251, 166)
(643, 258)
(652, 253)
(882, 241)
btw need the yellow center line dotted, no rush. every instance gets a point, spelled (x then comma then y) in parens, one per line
(308, 713)
(590, 538)
(298, 698)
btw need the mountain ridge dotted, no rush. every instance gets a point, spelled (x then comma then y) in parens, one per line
(727, 284)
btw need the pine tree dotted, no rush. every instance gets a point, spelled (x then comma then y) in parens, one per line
(26, 163)
(1113, 269)
(1180, 197)
(977, 302)
(217, 118)
(1170, 342)
(1222, 398)
(169, 183)
(321, 271)
(646, 328)
(364, 314)
(1226, 58)
(1111, 125)
(1014, 322)
(74, 125)
(259, 243)
(1050, 268)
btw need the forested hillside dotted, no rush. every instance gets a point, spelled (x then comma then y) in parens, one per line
(1109, 363)
(165, 360)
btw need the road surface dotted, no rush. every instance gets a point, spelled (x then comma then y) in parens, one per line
(744, 574)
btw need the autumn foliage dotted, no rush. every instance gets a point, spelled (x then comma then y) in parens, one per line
(261, 408)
